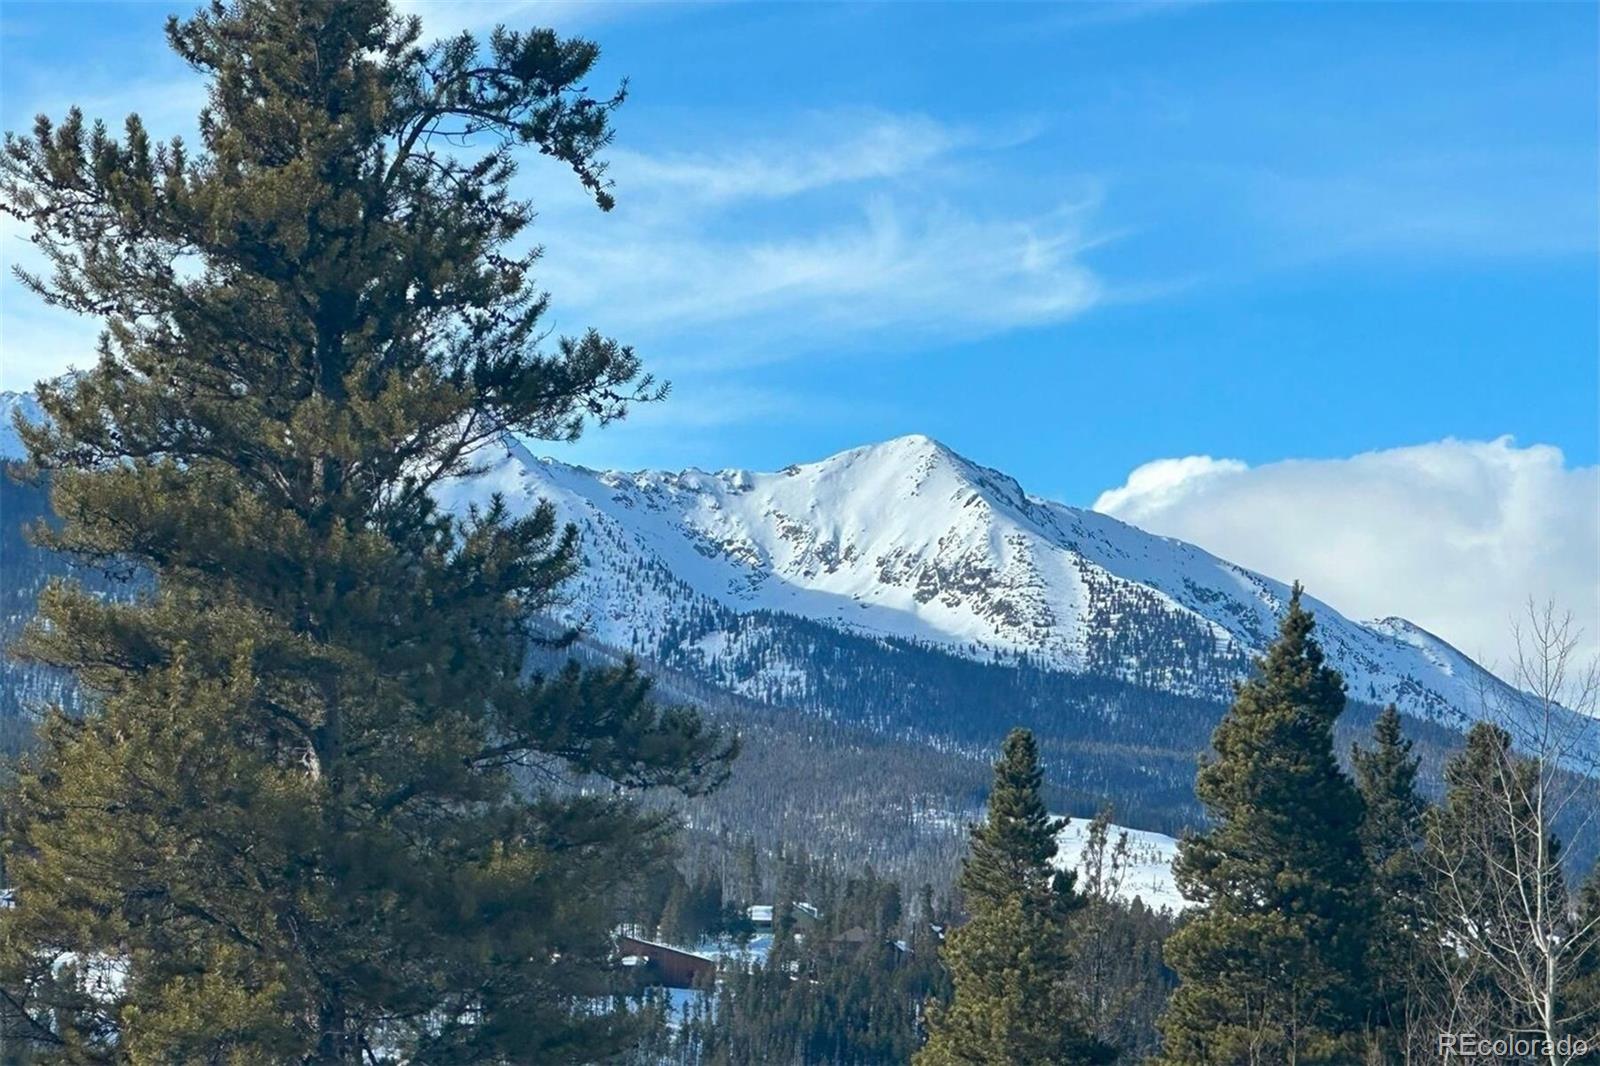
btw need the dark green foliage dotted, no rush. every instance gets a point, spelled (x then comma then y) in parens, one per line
(846, 990)
(1391, 826)
(1392, 831)
(1136, 982)
(1581, 996)
(1010, 965)
(291, 809)
(1013, 846)
(1274, 965)
(693, 910)
(1012, 1003)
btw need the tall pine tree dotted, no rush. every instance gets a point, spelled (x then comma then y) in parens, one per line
(1392, 831)
(1011, 964)
(1013, 846)
(1272, 967)
(298, 822)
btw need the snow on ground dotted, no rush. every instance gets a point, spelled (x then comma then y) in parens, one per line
(681, 1004)
(104, 976)
(725, 949)
(1149, 871)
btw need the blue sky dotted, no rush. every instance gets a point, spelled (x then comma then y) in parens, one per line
(1067, 240)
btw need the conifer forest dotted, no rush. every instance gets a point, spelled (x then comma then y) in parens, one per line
(387, 684)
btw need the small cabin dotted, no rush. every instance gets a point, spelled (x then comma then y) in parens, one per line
(665, 966)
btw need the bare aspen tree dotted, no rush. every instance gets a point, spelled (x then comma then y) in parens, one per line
(1508, 937)
(1102, 870)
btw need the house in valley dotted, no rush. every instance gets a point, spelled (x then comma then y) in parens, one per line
(664, 966)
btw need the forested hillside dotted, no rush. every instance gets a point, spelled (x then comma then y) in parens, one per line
(338, 728)
(901, 729)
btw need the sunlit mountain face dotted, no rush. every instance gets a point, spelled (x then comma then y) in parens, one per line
(909, 542)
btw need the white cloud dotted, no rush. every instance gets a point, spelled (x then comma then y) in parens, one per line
(1165, 481)
(854, 226)
(933, 270)
(838, 149)
(1454, 535)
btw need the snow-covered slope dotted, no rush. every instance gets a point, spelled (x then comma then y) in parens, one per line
(1144, 872)
(908, 540)
(10, 404)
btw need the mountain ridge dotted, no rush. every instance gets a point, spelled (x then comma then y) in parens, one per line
(907, 540)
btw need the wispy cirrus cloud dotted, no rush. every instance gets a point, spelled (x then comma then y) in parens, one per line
(926, 270)
(854, 227)
(820, 151)
(846, 229)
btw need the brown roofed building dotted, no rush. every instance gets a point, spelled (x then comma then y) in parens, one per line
(665, 965)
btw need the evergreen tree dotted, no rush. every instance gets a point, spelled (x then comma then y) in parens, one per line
(676, 919)
(1491, 899)
(1391, 825)
(1013, 846)
(845, 991)
(1581, 997)
(1392, 837)
(1011, 964)
(297, 821)
(1273, 968)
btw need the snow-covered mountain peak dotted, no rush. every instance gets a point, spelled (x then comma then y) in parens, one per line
(909, 450)
(903, 466)
(907, 539)
(1444, 655)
